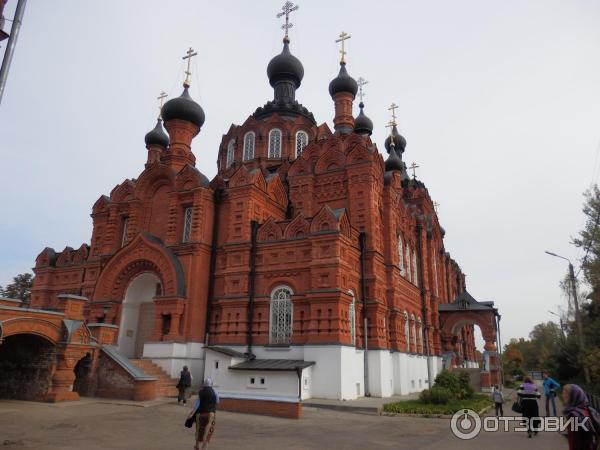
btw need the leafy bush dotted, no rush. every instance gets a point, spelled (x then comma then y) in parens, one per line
(476, 403)
(465, 388)
(448, 380)
(437, 395)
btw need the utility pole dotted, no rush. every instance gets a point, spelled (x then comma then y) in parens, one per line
(586, 370)
(10, 47)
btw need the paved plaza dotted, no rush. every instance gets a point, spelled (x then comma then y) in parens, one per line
(93, 425)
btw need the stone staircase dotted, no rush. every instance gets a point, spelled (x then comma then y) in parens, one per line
(166, 385)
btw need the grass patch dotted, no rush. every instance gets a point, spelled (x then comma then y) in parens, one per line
(478, 402)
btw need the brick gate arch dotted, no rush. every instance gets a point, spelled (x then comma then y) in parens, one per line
(465, 310)
(145, 253)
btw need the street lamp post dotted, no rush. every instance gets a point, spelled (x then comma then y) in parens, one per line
(562, 326)
(586, 371)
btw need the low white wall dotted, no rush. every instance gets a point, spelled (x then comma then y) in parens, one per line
(172, 356)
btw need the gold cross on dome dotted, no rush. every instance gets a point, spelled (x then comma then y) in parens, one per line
(391, 124)
(435, 206)
(393, 107)
(343, 37)
(190, 53)
(414, 167)
(286, 9)
(161, 99)
(361, 82)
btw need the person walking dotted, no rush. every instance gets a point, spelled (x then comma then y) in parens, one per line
(205, 409)
(184, 385)
(550, 388)
(528, 395)
(577, 406)
(498, 400)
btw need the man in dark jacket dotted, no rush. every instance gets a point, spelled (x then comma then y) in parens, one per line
(184, 385)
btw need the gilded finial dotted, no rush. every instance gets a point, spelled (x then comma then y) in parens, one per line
(361, 82)
(414, 167)
(161, 99)
(286, 9)
(393, 107)
(189, 54)
(391, 124)
(343, 37)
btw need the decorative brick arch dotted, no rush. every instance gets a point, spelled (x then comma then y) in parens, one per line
(145, 253)
(45, 329)
(452, 322)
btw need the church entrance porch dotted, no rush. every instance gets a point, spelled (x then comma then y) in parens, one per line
(137, 314)
(26, 365)
(465, 310)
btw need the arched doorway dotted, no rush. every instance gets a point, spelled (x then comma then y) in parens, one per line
(137, 314)
(26, 366)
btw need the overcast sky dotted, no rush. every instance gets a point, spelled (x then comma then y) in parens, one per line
(499, 103)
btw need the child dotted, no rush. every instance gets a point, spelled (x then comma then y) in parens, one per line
(498, 399)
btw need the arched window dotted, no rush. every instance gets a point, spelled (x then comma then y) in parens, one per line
(281, 316)
(230, 153)
(352, 318)
(275, 143)
(301, 142)
(414, 332)
(249, 146)
(420, 335)
(401, 255)
(408, 272)
(406, 331)
(415, 269)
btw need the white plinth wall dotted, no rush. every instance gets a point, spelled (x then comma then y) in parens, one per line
(172, 356)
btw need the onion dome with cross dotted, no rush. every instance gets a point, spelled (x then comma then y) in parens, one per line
(184, 107)
(362, 124)
(157, 135)
(399, 141)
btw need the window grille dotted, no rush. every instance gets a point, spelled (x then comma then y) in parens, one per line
(275, 144)
(352, 319)
(401, 255)
(187, 224)
(301, 142)
(420, 335)
(249, 146)
(281, 316)
(230, 153)
(414, 332)
(125, 230)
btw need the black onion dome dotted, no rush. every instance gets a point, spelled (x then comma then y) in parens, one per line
(362, 124)
(157, 136)
(393, 162)
(183, 108)
(285, 66)
(399, 141)
(343, 83)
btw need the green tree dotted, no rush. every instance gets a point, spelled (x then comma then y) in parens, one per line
(20, 288)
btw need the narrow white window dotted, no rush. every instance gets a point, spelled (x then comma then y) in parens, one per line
(187, 224)
(401, 255)
(125, 230)
(301, 142)
(408, 272)
(230, 153)
(415, 269)
(281, 316)
(435, 276)
(275, 143)
(406, 331)
(352, 318)
(249, 146)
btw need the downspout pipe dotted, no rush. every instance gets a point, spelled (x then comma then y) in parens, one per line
(251, 279)
(363, 291)
(10, 46)
(425, 327)
(213, 264)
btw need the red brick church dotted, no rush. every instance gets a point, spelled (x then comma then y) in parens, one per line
(311, 265)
